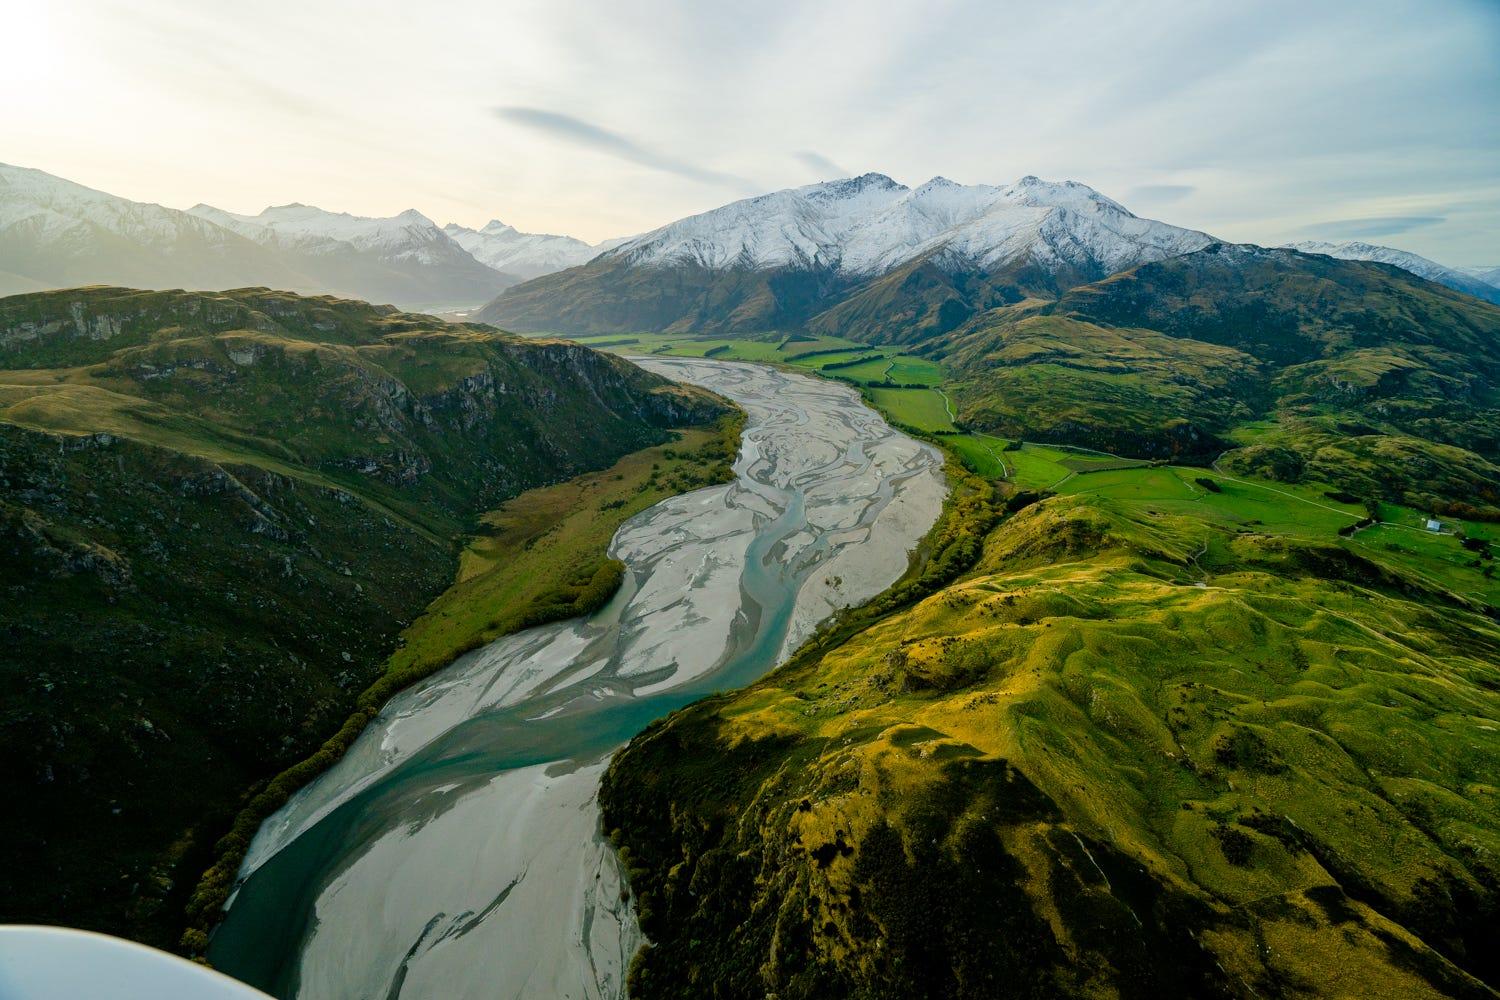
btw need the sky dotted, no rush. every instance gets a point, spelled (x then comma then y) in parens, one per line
(1263, 121)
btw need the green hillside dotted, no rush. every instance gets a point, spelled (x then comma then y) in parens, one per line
(218, 512)
(1211, 711)
(1140, 748)
(1300, 366)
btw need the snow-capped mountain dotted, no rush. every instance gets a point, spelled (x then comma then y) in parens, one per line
(850, 256)
(410, 236)
(55, 234)
(526, 255)
(870, 224)
(407, 253)
(1488, 274)
(1422, 267)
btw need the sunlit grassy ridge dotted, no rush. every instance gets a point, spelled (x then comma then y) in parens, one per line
(1134, 752)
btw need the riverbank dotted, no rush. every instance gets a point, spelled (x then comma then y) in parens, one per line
(540, 557)
(433, 852)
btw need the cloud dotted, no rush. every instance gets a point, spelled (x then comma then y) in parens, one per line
(819, 164)
(1161, 194)
(1384, 225)
(591, 136)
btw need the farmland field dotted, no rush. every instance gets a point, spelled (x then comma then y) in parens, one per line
(1243, 503)
(919, 408)
(875, 365)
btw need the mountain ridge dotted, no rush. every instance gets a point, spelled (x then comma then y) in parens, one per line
(1384, 384)
(55, 233)
(783, 260)
(1456, 278)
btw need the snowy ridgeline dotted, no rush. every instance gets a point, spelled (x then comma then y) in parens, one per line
(55, 233)
(1480, 282)
(870, 224)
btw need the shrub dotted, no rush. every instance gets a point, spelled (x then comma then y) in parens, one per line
(1235, 844)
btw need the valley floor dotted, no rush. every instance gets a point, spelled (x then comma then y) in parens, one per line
(541, 557)
(909, 391)
(1172, 730)
(496, 759)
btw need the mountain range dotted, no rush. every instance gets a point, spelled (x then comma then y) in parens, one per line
(1478, 282)
(863, 256)
(55, 233)
(1489, 275)
(525, 255)
(1157, 720)
(869, 258)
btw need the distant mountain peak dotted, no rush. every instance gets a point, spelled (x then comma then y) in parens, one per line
(55, 233)
(1422, 267)
(871, 180)
(526, 255)
(841, 189)
(948, 249)
(940, 183)
(868, 224)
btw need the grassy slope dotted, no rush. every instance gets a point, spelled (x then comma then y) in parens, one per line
(833, 356)
(920, 408)
(1374, 379)
(1078, 771)
(512, 567)
(1163, 738)
(218, 511)
(903, 386)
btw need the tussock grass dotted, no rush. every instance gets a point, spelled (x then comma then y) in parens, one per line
(1300, 749)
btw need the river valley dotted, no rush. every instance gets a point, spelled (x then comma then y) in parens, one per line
(456, 849)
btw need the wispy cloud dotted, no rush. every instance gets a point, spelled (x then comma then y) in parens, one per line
(819, 164)
(1281, 113)
(1385, 225)
(591, 136)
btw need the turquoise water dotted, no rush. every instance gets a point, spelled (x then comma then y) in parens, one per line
(260, 941)
(271, 917)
